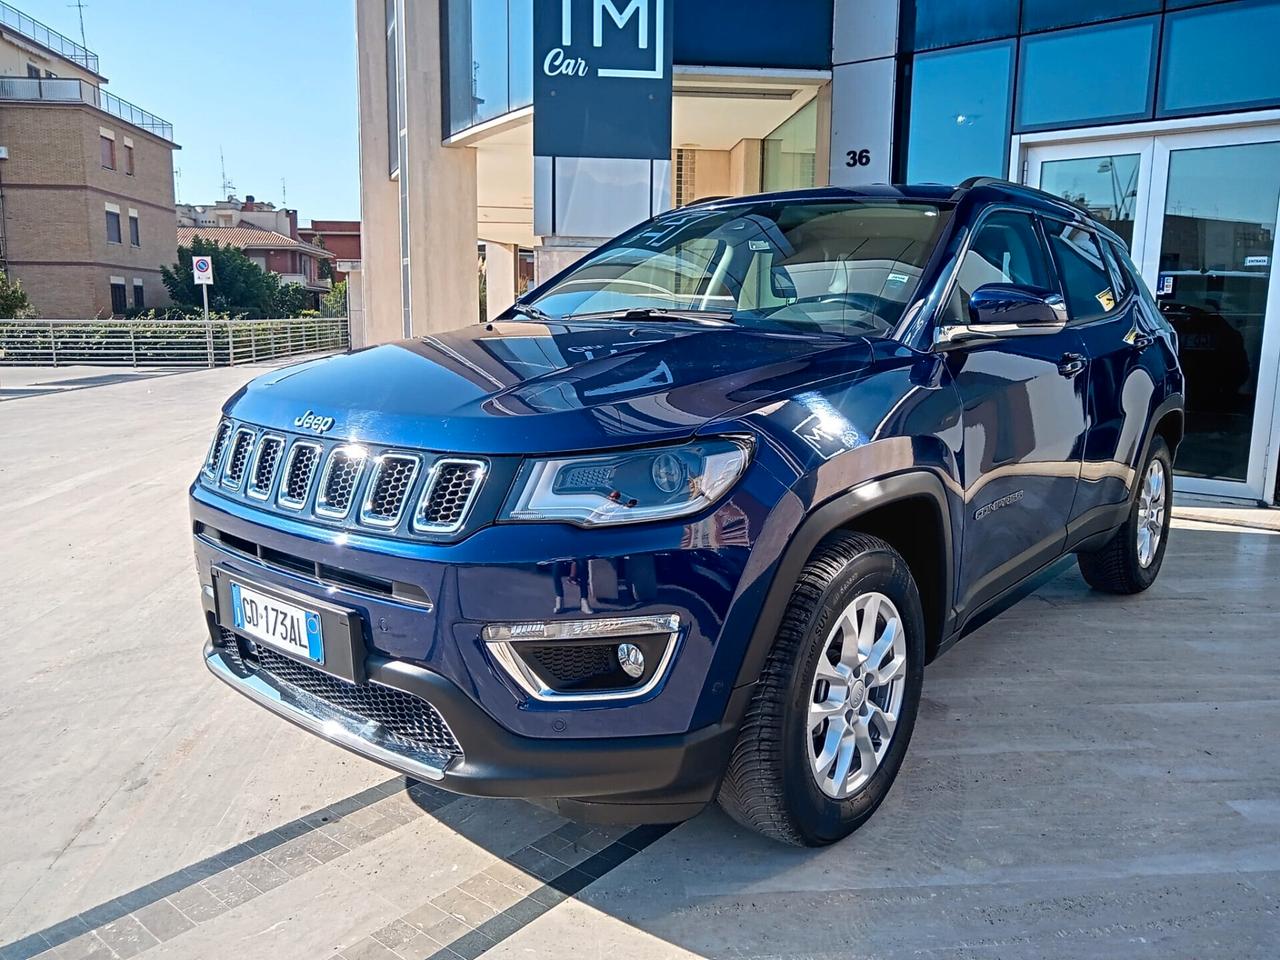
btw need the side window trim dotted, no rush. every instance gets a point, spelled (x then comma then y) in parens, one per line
(1101, 244)
(937, 320)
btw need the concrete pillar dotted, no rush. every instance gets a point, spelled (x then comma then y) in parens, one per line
(443, 270)
(379, 279)
(499, 277)
(418, 229)
(560, 253)
(863, 81)
(745, 167)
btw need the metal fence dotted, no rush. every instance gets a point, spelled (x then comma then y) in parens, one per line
(37, 31)
(167, 343)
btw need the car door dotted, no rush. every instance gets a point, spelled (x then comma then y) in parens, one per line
(1108, 313)
(1023, 402)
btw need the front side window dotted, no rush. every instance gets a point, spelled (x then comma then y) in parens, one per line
(1085, 277)
(108, 149)
(113, 227)
(128, 160)
(135, 238)
(119, 299)
(846, 268)
(139, 297)
(1006, 249)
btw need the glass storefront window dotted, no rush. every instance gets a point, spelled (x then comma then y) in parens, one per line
(490, 59)
(1216, 258)
(1082, 77)
(1218, 58)
(1105, 185)
(944, 23)
(1050, 14)
(790, 152)
(960, 113)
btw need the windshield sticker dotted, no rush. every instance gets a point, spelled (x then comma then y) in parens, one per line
(897, 278)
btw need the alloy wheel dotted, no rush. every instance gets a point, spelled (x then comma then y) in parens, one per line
(856, 695)
(1151, 508)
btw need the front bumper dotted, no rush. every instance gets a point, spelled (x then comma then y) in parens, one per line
(625, 780)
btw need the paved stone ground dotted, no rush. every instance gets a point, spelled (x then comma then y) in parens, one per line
(1090, 777)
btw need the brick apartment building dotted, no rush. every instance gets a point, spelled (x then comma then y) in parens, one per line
(339, 237)
(88, 206)
(294, 260)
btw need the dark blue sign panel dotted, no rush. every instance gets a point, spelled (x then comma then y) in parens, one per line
(602, 78)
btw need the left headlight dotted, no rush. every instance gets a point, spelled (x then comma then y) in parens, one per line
(630, 486)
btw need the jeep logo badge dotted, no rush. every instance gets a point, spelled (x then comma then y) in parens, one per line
(314, 422)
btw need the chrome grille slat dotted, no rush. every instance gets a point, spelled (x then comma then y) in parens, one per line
(266, 459)
(299, 470)
(238, 459)
(389, 487)
(216, 448)
(338, 483)
(448, 495)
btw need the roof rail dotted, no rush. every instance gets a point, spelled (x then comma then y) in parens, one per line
(1021, 188)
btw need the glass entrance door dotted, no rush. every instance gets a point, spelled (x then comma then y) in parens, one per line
(1199, 211)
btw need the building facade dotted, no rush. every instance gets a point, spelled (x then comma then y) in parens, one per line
(339, 237)
(86, 193)
(1160, 116)
(292, 259)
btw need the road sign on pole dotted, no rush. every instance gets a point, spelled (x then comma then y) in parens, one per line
(202, 269)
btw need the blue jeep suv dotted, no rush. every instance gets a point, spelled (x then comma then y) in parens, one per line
(688, 521)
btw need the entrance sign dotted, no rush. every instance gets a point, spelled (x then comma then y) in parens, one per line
(202, 267)
(602, 78)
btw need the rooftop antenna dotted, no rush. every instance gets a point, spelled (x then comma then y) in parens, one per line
(177, 184)
(80, 5)
(228, 188)
(284, 193)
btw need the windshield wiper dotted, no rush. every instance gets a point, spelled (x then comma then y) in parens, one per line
(533, 313)
(656, 313)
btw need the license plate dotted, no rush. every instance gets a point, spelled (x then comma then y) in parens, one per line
(278, 624)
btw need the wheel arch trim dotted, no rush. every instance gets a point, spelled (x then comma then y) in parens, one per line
(832, 515)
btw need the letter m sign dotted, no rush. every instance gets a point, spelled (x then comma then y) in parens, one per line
(648, 31)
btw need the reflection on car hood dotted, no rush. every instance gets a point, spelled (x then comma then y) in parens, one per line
(524, 387)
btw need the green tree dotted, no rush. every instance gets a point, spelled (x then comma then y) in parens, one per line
(334, 303)
(289, 301)
(240, 287)
(14, 304)
(324, 267)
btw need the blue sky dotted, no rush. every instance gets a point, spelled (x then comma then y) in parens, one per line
(272, 82)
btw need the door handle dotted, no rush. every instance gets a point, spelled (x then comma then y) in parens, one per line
(1072, 364)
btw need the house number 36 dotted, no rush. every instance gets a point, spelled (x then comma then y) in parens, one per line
(858, 158)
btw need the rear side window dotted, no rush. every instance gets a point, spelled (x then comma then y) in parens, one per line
(1006, 249)
(1085, 277)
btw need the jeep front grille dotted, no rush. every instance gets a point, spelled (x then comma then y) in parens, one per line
(265, 462)
(393, 476)
(338, 482)
(451, 488)
(238, 459)
(348, 484)
(299, 471)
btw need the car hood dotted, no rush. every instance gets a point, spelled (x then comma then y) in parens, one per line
(526, 387)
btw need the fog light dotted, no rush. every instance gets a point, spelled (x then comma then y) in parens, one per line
(631, 659)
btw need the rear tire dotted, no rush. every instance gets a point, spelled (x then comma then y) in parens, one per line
(836, 702)
(1130, 561)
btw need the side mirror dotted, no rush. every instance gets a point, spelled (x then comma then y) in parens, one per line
(998, 311)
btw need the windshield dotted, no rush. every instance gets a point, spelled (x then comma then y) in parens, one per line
(847, 268)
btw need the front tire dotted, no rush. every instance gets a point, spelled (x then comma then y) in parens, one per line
(1130, 561)
(836, 702)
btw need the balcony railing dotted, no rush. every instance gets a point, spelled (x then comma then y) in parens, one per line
(70, 90)
(37, 31)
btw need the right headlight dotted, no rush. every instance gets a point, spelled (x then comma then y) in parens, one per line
(628, 487)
